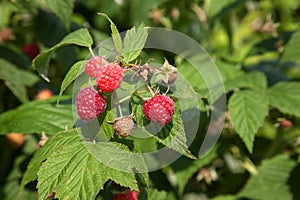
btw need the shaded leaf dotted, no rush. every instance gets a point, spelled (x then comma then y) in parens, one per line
(184, 168)
(271, 179)
(63, 9)
(37, 117)
(80, 37)
(17, 79)
(247, 110)
(285, 96)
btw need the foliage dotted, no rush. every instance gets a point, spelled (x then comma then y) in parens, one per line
(254, 45)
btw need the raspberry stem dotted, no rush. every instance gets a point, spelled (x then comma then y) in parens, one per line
(115, 96)
(91, 51)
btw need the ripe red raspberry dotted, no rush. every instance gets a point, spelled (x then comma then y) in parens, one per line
(89, 103)
(132, 195)
(159, 109)
(31, 50)
(109, 77)
(93, 65)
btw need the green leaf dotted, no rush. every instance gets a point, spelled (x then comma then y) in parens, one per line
(184, 168)
(63, 9)
(73, 171)
(134, 42)
(292, 50)
(17, 79)
(11, 188)
(42, 154)
(253, 80)
(174, 137)
(76, 70)
(154, 194)
(217, 7)
(37, 117)
(225, 197)
(106, 119)
(271, 180)
(247, 110)
(285, 96)
(80, 37)
(114, 34)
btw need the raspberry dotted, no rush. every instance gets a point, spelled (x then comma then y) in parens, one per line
(124, 125)
(159, 109)
(109, 77)
(132, 195)
(31, 50)
(93, 65)
(89, 103)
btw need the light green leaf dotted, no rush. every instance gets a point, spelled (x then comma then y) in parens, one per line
(247, 110)
(184, 168)
(75, 173)
(80, 37)
(17, 79)
(285, 96)
(134, 42)
(63, 9)
(42, 154)
(114, 34)
(37, 117)
(154, 194)
(76, 70)
(292, 50)
(271, 179)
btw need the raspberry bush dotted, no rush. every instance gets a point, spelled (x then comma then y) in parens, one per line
(114, 106)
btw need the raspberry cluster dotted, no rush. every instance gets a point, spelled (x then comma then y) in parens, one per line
(91, 102)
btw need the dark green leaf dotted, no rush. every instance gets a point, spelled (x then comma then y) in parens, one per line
(63, 9)
(134, 42)
(184, 168)
(80, 37)
(247, 110)
(285, 96)
(37, 117)
(17, 79)
(271, 179)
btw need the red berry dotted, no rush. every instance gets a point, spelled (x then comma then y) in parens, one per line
(159, 109)
(93, 65)
(31, 50)
(89, 103)
(109, 77)
(132, 195)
